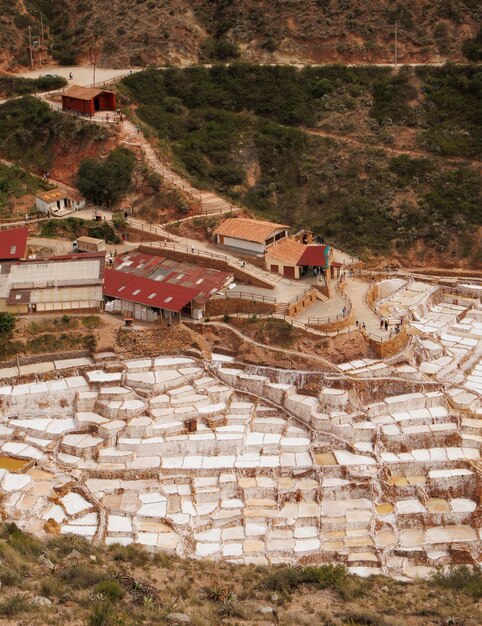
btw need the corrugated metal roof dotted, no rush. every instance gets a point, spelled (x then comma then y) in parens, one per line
(146, 291)
(160, 269)
(13, 243)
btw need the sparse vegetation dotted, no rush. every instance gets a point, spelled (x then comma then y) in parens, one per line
(120, 586)
(463, 578)
(73, 227)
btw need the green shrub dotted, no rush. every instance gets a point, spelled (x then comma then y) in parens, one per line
(80, 576)
(65, 544)
(133, 554)
(91, 321)
(288, 579)
(110, 589)
(472, 48)
(22, 543)
(106, 181)
(103, 614)
(7, 325)
(463, 578)
(19, 86)
(14, 605)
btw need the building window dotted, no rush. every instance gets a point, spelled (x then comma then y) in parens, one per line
(13, 249)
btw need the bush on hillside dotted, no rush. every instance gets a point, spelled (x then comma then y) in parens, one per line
(472, 48)
(105, 182)
(19, 86)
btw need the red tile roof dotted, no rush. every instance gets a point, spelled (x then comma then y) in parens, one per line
(313, 255)
(146, 291)
(13, 243)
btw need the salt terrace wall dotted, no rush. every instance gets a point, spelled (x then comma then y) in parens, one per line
(220, 461)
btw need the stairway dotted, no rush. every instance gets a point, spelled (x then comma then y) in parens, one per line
(281, 308)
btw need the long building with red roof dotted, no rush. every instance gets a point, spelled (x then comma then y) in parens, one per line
(151, 287)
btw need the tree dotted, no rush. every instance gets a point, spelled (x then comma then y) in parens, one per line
(106, 181)
(7, 324)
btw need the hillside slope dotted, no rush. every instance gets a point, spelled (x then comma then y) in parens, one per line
(395, 171)
(136, 32)
(65, 580)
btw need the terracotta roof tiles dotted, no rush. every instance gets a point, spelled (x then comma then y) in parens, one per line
(248, 229)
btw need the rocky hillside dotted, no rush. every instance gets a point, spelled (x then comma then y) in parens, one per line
(65, 580)
(133, 32)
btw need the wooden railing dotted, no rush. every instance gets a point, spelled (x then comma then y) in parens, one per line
(241, 295)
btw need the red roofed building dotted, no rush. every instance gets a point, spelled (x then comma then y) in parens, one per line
(151, 287)
(88, 100)
(293, 259)
(13, 244)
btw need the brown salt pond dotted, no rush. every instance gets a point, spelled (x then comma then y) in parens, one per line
(11, 464)
(325, 458)
(384, 509)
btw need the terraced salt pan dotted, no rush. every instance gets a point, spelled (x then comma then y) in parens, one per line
(248, 483)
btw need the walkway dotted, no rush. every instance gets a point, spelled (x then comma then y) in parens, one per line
(82, 74)
(209, 202)
(356, 290)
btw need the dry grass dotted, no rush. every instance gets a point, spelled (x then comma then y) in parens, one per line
(124, 586)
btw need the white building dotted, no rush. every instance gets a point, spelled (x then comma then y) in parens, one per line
(247, 235)
(71, 282)
(58, 201)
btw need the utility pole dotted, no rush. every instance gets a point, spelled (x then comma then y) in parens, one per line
(41, 39)
(30, 46)
(395, 55)
(95, 57)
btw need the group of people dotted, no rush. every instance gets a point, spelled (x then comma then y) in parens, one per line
(383, 324)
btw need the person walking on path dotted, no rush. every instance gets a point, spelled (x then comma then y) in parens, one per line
(386, 324)
(382, 323)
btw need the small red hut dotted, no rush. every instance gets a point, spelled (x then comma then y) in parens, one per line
(88, 100)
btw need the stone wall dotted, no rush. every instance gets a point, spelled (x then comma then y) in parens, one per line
(213, 263)
(220, 306)
(391, 346)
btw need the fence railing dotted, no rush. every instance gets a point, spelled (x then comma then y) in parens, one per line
(300, 296)
(254, 297)
(289, 320)
(330, 319)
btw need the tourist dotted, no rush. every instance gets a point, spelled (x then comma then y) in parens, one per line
(357, 324)
(364, 326)
(71, 77)
(382, 323)
(386, 324)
